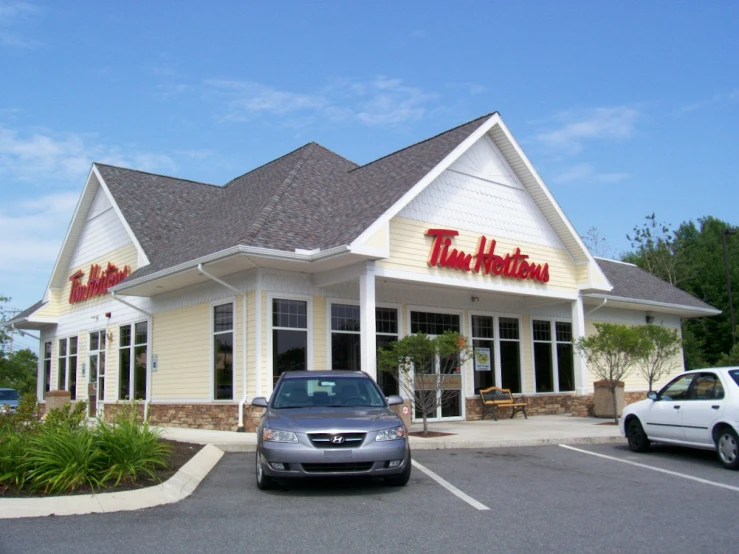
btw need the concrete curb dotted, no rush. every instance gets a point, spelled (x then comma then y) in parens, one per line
(176, 488)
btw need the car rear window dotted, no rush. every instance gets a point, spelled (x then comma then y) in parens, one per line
(735, 375)
(311, 392)
(9, 395)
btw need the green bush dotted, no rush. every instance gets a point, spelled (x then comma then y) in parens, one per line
(25, 419)
(13, 453)
(67, 417)
(63, 459)
(130, 448)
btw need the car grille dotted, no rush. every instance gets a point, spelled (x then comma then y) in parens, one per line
(324, 440)
(347, 467)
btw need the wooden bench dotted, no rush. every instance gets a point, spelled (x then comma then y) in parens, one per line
(494, 397)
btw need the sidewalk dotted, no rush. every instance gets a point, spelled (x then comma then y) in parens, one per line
(535, 431)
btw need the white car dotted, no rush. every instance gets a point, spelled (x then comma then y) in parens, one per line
(699, 409)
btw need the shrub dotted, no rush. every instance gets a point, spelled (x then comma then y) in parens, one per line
(130, 448)
(62, 459)
(67, 417)
(13, 453)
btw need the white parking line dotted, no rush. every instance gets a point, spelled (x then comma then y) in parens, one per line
(667, 471)
(451, 488)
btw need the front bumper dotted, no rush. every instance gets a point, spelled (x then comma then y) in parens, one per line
(303, 460)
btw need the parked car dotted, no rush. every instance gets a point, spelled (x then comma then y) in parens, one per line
(699, 409)
(329, 424)
(9, 399)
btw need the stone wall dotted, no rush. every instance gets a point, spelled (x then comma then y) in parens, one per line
(221, 417)
(551, 404)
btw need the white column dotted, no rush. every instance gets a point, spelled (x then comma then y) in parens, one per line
(578, 331)
(367, 339)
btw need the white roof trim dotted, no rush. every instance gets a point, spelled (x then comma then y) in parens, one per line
(654, 304)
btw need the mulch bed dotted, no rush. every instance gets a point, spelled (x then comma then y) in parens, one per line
(181, 453)
(429, 435)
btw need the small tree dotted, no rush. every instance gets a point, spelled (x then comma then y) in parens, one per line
(612, 353)
(423, 366)
(659, 359)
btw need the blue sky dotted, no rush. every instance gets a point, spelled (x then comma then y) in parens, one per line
(625, 108)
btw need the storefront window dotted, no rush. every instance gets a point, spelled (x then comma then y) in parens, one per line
(289, 336)
(132, 360)
(510, 353)
(553, 356)
(61, 367)
(483, 342)
(345, 337)
(46, 386)
(223, 345)
(386, 324)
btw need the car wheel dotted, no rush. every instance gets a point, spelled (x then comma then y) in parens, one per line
(401, 479)
(638, 441)
(264, 482)
(726, 448)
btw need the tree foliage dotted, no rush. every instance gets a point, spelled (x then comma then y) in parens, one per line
(659, 360)
(597, 244)
(691, 258)
(18, 371)
(612, 354)
(424, 366)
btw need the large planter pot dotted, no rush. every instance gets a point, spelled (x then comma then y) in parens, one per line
(604, 402)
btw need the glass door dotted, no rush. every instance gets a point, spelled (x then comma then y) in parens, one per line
(96, 375)
(440, 383)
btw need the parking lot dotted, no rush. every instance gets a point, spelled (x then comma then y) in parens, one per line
(558, 499)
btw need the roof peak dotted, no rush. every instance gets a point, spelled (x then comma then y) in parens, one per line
(100, 164)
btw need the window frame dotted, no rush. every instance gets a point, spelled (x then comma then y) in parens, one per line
(330, 331)
(496, 342)
(46, 367)
(271, 297)
(554, 354)
(96, 352)
(67, 357)
(132, 361)
(212, 334)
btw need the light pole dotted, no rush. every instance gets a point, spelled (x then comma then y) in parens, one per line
(729, 231)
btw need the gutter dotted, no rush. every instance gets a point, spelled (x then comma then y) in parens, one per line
(707, 311)
(240, 428)
(149, 351)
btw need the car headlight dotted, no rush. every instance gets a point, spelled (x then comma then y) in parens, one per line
(391, 434)
(274, 435)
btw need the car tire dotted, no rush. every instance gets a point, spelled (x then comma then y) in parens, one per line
(401, 479)
(264, 482)
(638, 441)
(727, 445)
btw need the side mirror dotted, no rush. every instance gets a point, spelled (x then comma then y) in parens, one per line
(259, 401)
(652, 395)
(394, 400)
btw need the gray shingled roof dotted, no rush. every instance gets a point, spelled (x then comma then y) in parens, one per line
(633, 283)
(310, 198)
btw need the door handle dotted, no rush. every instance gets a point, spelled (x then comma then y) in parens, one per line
(715, 407)
(676, 407)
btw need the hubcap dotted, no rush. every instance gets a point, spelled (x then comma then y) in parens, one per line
(259, 469)
(727, 448)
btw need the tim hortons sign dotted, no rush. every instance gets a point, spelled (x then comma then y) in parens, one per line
(485, 262)
(97, 283)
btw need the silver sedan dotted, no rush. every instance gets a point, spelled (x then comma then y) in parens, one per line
(328, 424)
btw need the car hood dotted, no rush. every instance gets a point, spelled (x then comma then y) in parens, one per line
(316, 420)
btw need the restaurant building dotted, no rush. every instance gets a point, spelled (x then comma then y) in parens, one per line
(193, 298)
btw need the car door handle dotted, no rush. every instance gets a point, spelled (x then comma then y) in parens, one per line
(715, 407)
(676, 407)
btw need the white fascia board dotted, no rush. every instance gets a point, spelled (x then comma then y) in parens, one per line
(547, 193)
(654, 304)
(462, 283)
(143, 259)
(230, 252)
(452, 157)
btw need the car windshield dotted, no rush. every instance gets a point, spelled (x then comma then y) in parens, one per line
(9, 395)
(312, 392)
(735, 375)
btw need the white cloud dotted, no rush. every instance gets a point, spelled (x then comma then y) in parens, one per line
(10, 12)
(381, 101)
(586, 172)
(43, 157)
(572, 128)
(715, 99)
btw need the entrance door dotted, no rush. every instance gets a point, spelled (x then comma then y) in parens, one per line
(440, 385)
(96, 375)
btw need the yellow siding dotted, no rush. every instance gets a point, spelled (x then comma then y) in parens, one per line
(320, 356)
(182, 342)
(378, 239)
(527, 363)
(583, 275)
(51, 308)
(410, 249)
(126, 256)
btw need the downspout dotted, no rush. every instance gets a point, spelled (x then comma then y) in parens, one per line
(149, 351)
(605, 301)
(240, 428)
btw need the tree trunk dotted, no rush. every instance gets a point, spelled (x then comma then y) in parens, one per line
(425, 424)
(615, 407)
